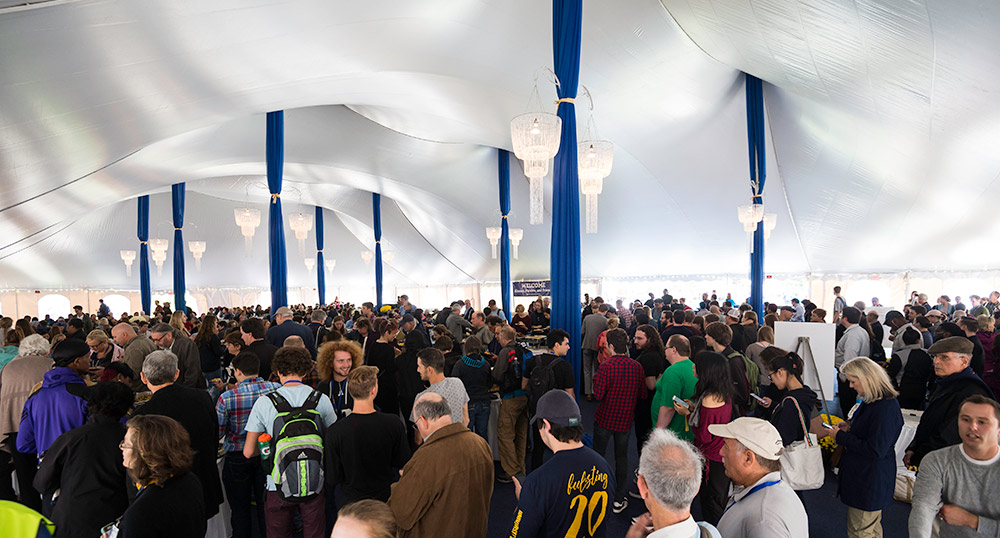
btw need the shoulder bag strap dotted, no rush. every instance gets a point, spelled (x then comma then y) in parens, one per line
(805, 430)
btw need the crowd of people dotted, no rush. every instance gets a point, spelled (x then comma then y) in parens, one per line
(350, 420)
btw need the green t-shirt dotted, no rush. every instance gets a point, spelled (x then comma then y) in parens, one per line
(678, 379)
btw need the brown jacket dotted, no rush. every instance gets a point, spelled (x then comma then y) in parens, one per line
(446, 486)
(135, 353)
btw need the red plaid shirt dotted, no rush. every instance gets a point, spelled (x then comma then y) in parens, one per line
(617, 385)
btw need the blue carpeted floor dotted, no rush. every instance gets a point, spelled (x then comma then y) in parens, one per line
(827, 515)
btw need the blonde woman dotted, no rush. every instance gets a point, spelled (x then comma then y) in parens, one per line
(868, 465)
(177, 320)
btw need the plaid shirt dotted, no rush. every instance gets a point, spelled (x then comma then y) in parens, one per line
(625, 315)
(617, 385)
(234, 408)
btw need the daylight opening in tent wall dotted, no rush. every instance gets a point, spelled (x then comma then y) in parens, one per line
(431, 178)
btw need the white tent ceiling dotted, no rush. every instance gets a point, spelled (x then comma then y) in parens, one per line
(882, 125)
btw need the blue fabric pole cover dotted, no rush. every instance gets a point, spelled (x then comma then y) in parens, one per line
(275, 225)
(143, 234)
(177, 199)
(320, 268)
(503, 169)
(756, 145)
(567, 21)
(377, 225)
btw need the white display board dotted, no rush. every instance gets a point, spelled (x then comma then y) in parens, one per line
(822, 342)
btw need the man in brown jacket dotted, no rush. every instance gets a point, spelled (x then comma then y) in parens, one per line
(446, 486)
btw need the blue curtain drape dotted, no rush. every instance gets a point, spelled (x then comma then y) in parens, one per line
(143, 233)
(320, 268)
(177, 199)
(275, 225)
(755, 142)
(503, 169)
(567, 20)
(377, 225)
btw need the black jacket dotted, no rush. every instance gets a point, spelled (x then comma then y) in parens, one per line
(917, 379)
(85, 464)
(193, 408)
(785, 417)
(175, 508)
(938, 426)
(265, 353)
(211, 353)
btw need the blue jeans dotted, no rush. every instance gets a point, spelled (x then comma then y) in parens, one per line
(479, 417)
(244, 482)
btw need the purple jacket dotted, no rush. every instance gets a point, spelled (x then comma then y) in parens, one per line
(51, 412)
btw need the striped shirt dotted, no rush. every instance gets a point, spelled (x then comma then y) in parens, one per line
(234, 408)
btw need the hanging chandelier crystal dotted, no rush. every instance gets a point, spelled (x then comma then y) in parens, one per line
(301, 224)
(594, 159)
(367, 256)
(128, 256)
(535, 138)
(388, 256)
(197, 250)
(493, 233)
(248, 220)
(159, 255)
(770, 222)
(516, 235)
(330, 264)
(749, 216)
(310, 263)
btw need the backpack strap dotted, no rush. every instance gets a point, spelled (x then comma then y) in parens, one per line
(281, 405)
(312, 402)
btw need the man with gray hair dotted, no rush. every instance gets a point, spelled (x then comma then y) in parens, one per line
(456, 323)
(453, 468)
(670, 472)
(761, 504)
(194, 410)
(188, 356)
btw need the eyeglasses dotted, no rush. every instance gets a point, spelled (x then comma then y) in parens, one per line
(123, 446)
(156, 339)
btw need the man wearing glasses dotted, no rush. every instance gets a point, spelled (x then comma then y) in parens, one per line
(188, 358)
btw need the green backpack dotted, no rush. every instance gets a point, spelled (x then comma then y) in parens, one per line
(753, 374)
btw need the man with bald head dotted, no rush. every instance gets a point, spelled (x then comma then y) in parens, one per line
(453, 468)
(136, 348)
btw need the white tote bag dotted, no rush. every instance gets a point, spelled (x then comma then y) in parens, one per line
(802, 461)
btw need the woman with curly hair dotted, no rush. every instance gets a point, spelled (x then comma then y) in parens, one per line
(157, 453)
(335, 361)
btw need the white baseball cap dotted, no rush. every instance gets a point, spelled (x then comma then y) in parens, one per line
(758, 435)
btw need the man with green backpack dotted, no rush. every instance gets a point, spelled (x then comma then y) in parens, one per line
(295, 418)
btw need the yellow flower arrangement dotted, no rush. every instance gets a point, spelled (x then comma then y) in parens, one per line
(385, 308)
(828, 443)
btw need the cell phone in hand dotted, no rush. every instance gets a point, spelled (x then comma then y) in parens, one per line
(827, 426)
(682, 402)
(758, 398)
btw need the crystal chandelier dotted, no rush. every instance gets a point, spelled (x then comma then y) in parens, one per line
(248, 220)
(493, 233)
(159, 248)
(367, 256)
(301, 225)
(770, 221)
(535, 138)
(310, 263)
(128, 256)
(197, 250)
(330, 264)
(516, 235)
(594, 159)
(749, 216)
(388, 256)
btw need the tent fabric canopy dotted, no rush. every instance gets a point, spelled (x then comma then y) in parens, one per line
(881, 133)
